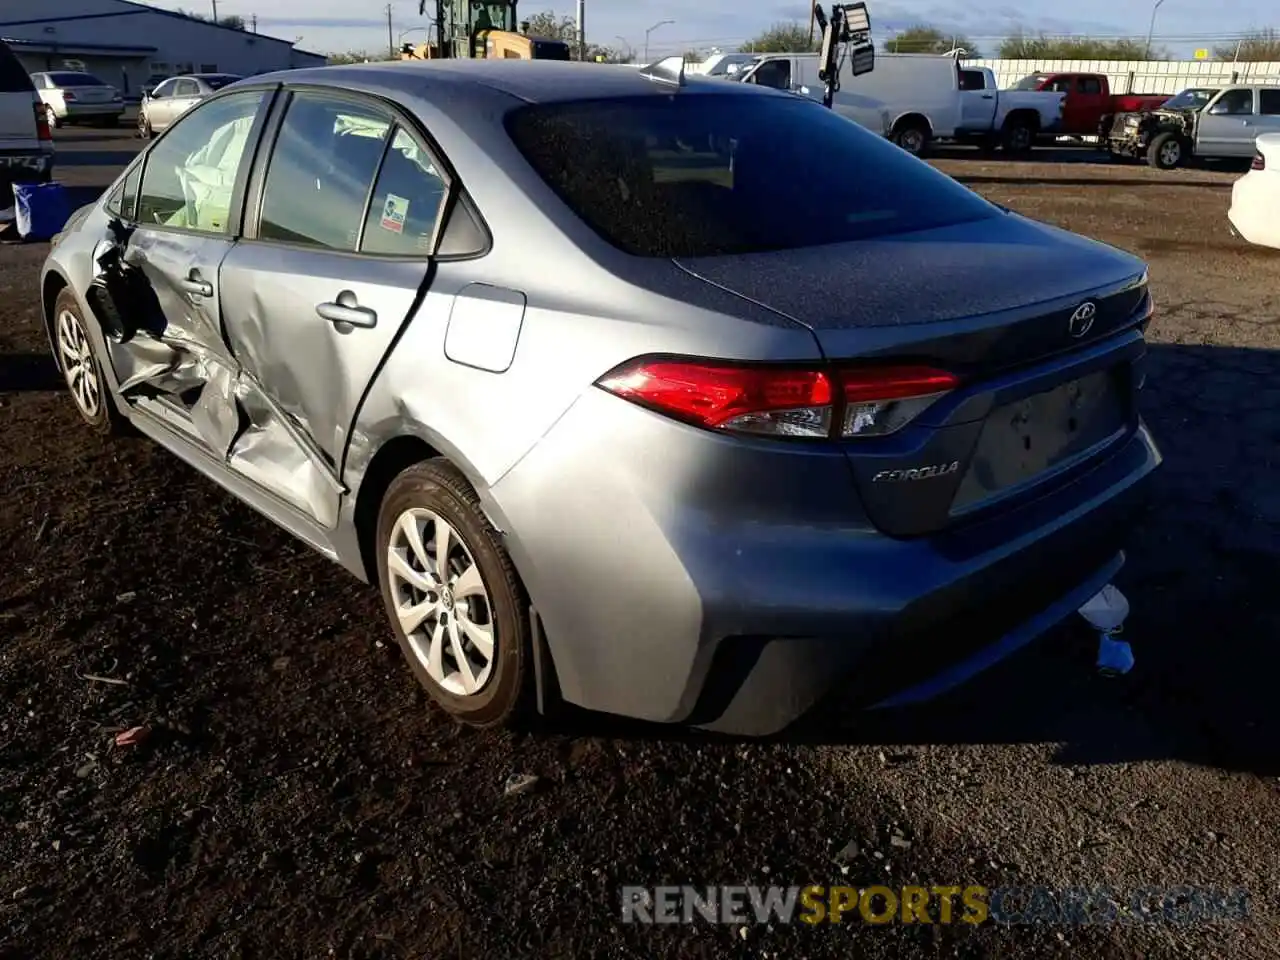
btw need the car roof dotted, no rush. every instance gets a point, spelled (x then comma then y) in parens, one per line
(534, 81)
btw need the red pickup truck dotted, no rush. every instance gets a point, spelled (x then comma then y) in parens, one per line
(1090, 104)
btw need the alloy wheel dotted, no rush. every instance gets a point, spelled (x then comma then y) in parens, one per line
(441, 601)
(78, 365)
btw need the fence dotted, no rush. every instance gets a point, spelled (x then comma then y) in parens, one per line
(1142, 76)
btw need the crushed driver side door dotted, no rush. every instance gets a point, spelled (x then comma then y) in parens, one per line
(183, 213)
(336, 257)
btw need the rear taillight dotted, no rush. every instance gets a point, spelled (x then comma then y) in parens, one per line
(42, 122)
(782, 402)
(1259, 162)
(68, 96)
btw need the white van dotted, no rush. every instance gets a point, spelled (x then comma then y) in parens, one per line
(798, 73)
(921, 91)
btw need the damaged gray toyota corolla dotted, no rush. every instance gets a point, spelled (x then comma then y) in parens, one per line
(683, 402)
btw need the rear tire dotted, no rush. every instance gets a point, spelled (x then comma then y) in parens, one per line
(1018, 137)
(81, 369)
(913, 137)
(1167, 152)
(426, 503)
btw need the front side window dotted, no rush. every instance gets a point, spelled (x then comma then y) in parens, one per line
(321, 170)
(1090, 86)
(708, 174)
(1234, 103)
(773, 73)
(972, 80)
(191, 172)
(164, 90)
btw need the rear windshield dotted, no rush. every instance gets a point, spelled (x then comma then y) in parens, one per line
(13, 76)
(74, 80)
(217, 83)
(701, 174)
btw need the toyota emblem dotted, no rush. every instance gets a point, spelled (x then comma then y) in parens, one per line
(1082, 320)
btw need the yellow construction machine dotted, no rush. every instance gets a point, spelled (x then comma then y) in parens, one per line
(483, 31)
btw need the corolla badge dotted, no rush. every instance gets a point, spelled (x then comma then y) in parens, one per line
(917, 473)
(1081, 321)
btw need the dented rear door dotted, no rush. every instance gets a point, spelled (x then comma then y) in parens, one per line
(334, 262)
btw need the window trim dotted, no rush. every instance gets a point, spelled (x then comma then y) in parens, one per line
(270, 97)
(399, 119)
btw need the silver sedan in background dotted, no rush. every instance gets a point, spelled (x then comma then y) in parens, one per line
(673, 398)
(70, 96)
(172, 98)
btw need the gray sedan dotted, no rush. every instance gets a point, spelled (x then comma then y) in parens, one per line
(174, 97)
(671, 398)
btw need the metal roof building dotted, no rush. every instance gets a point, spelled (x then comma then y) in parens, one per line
(130, 44)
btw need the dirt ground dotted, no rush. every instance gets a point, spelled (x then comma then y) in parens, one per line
(300, 798)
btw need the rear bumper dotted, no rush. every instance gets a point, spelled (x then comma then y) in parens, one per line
(78, 111)
(1254, 199)
(684, 577)
(19, 166)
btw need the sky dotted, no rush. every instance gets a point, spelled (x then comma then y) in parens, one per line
(342, 25)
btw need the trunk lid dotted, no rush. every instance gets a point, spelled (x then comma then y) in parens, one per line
(1047, 383)
(93, 94)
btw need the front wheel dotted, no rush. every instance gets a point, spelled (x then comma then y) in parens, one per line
(144, 126)
(81, 369)
(456, 604)
(1166, 152)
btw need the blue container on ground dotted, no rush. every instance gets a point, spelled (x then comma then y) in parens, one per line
(40, 209)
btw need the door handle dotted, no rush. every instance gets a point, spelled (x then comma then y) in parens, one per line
(196, 286)
(988, 96)
(346, 311)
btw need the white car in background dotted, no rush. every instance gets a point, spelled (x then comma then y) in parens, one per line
(1255, 198)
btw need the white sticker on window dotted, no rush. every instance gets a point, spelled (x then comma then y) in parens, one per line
(394, 213)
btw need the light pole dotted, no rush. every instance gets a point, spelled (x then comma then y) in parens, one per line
(1152, 29)
(626, 47)
(660, 23)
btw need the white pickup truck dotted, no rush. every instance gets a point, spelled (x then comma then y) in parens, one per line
(1013, 119)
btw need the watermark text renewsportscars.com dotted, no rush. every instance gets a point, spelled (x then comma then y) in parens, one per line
(942, 904)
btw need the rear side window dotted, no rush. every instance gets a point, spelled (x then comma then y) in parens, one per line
(695, 175)
(321, 171)
(13, 76)
(406, 202)
(1270, 102)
